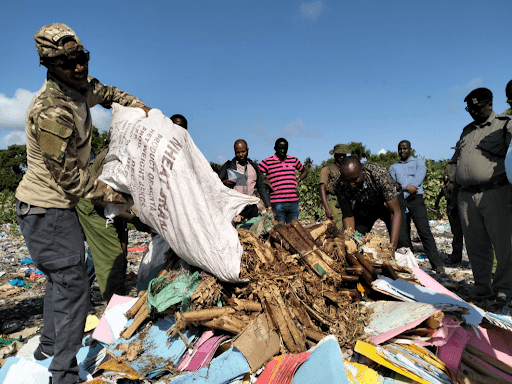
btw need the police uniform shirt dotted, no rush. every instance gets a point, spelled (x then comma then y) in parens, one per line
(481, 151)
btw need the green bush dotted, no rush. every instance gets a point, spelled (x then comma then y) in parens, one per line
(7, 207)
(432, 186)
(309, 198)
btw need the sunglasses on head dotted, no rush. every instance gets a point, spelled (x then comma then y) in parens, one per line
(69, 64)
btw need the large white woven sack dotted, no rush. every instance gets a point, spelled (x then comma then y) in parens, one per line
(175, 190)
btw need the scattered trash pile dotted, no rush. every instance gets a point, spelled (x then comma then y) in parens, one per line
(314, 305)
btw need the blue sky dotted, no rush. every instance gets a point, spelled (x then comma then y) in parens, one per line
(317, 73)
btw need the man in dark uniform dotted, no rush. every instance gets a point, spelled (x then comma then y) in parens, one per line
(449, 191)
(485, 197)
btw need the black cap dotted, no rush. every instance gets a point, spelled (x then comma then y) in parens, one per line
(508, 90)
(478, 96)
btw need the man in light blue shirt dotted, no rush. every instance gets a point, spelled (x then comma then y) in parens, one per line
(410, 172)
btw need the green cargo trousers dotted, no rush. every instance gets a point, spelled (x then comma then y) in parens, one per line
(337, 217)
(107, 253)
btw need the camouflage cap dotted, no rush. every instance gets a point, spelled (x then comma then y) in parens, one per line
(339, 148)
(49, 40)
(479, 95)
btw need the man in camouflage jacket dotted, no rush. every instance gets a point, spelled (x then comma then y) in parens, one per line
(58, 128)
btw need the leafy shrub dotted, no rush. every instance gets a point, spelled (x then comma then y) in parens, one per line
(432, 186)
(309, 198)
(7, 207)
(13, 164)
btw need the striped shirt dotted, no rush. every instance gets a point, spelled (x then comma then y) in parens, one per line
(281, 175)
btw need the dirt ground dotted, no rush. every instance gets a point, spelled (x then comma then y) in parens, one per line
(27, 303)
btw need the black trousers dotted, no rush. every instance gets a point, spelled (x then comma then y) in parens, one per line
(56, 244)
(365, 217)
(458, 237)
(418, 213)
(249, 211)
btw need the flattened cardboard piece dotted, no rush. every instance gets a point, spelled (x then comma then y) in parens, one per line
(289, 366)
(205, 353)
(496, 343)
(432, 284)
(406, 367)
(91, 323)
(258, 342)
(223, 369)
(264, 377)
(26, 371)
(102, 331)
(125, 369)
(324, 365)
(451, 352)
(156, 346)
(361, 373)
(191, 351)
(391, 318)
(406, 291)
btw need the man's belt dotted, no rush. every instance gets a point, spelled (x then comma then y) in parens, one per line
(485, 187)
(27, 209)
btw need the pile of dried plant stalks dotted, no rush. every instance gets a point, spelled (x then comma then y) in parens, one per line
(308, 282)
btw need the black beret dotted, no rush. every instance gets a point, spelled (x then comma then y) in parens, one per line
(478, 95)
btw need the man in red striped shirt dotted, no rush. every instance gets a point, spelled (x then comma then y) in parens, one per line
(280, 170)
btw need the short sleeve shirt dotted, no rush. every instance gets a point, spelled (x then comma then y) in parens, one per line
(281, 175)
(378, 187)
(328, 176)
(481, 150)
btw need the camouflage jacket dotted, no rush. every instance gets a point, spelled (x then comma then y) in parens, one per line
(58, 128)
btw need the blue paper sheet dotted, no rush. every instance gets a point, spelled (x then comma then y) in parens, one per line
(157, 353)
(223, 369)
(324, 365)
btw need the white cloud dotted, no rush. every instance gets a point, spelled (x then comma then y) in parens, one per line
(15, 137)
(294, 128)
(298, 129)
(311, 10)
(473, 84)
(13, 110)
(382, 152)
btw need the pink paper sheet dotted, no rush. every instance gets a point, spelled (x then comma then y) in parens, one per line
(102, 331)
(451, 352)
(495, 342)
(382, 337)
(430, 283)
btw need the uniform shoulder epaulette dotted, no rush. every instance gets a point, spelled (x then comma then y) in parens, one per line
(333, 166)
(504, 117)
